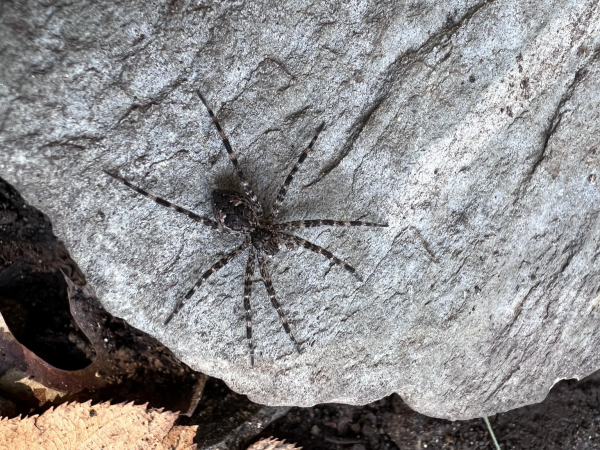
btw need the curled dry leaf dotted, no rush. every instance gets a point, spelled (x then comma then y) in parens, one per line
(272, 444)
(103, 426)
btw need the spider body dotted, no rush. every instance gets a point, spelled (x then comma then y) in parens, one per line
(236, 215)
(242, 214)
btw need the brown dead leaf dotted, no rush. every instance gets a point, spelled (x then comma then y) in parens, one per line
(271, 444)
(82, 426)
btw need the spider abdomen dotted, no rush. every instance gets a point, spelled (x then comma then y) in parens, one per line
(234, 212)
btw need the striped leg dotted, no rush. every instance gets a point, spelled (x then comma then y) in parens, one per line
(322, 222)
(262, 264)
(247, 291)
(315, 248)
(162, 202)
(233, 159)
(218, 265)
(290, 177)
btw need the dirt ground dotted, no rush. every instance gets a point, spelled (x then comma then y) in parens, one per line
(34, 304)
(569, 418)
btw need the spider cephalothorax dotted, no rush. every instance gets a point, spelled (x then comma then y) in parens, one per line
(234, 212)
(242, 214)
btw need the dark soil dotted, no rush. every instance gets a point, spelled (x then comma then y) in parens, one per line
(569, 418)
(34, 303)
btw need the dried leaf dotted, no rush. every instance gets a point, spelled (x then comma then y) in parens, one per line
(83, 426)
(272, 444)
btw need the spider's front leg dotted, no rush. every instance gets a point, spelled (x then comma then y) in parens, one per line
(299, 224)
(163, 202)
(233, 158)
(286, 184)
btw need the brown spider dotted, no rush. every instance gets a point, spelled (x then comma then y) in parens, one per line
(242, 214)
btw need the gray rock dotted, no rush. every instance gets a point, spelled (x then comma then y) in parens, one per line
(471, 127)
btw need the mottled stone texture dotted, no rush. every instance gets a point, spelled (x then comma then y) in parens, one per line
(471, 127)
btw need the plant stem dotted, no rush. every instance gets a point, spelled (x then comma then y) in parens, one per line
(489, 426)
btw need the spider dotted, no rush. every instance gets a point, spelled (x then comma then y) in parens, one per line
(243, 215)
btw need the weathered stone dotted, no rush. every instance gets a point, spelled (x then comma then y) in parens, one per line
(471, 127)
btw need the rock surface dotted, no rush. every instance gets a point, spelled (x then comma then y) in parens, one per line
(470, 127)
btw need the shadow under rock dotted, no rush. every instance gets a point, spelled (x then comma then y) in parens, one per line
(33, 292)
(569, 417)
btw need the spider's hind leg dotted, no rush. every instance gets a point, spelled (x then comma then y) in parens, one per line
(327, 222)
(315, 248)
(247, 291)
(262, 264)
